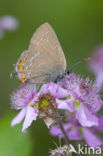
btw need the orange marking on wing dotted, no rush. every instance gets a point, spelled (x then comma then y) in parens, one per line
(21, 62)
(23, 78)
(20, 67)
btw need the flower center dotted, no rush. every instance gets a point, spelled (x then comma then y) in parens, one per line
(43, 104)
(46, 106)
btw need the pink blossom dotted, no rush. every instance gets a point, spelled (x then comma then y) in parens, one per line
(75, 131)
(22, 99)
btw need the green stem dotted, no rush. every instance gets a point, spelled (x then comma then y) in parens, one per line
(63, 131)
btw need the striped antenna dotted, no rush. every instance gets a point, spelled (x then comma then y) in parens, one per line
(81, 61)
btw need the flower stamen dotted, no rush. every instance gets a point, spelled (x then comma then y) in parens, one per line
(46, 106)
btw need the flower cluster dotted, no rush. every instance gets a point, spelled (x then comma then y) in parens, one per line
(32, 103)
(75, 99)
(79, 99)
(81, 105)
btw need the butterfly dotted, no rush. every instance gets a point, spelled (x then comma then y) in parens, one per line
(44, 61)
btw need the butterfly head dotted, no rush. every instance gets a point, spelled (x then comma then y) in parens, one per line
(67, 72)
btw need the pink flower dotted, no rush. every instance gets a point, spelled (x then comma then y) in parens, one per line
(75, 131)
(83, 99)
(22, 99)
(31, 104)
(45, 102)
(75, 95)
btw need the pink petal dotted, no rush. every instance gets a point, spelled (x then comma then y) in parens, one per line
(91, 138)
(43, 89)
(55, 131)
(99, 80)
(100, 126)
(30, 116)
(65, 104)
(48, 122)
(74, 134)
(85, 117)
(19, 117)
(57, 91)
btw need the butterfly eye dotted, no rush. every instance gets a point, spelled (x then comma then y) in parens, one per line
(67, 72)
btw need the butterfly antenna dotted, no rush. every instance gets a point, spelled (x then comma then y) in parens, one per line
(79, 62)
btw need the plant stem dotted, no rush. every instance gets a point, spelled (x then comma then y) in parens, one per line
(63, 131)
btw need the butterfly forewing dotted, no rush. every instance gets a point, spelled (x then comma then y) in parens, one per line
(45, 40)
(44, 60)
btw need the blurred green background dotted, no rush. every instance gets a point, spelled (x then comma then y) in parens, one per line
(79, 27)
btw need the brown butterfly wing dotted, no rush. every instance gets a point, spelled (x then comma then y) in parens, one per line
(45, 59)
(45, 40)
(38, 67)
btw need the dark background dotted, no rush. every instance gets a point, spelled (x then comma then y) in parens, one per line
(79, 27)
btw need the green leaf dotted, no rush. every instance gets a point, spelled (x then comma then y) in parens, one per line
(12, 141)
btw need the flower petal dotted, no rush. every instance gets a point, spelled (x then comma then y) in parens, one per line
(96, 103)
(100, 126)
(57, 91)
(85, 117)
(65, 104)
(19, 117)
(74, 134)
(48, 122)
(91, 138)
(43, 89)
(30, 116)
(21, 97)
(99, 80)
(55, 131)
(96, 63)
